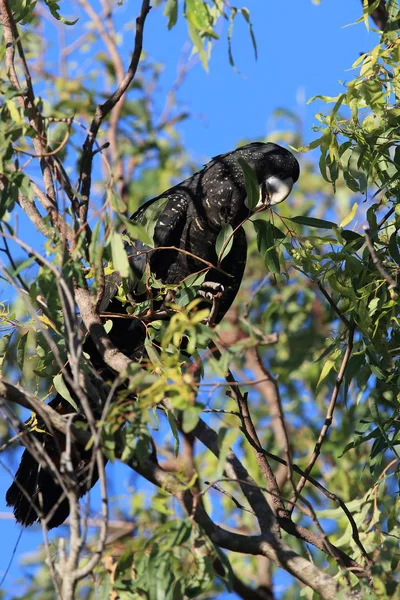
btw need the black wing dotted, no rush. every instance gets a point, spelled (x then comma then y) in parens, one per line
(164, 218)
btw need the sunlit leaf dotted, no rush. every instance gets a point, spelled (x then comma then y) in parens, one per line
(61, 388)
(224, 241)
(251, 183)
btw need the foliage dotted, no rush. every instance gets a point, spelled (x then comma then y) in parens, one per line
(315, 278)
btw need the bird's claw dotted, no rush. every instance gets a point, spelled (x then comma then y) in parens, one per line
(211, 290)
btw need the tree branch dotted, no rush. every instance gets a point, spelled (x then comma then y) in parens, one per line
(268, 545)
(235, 470)
(330, 411)
(251, 434)
(51, 417)
(392, 284)
(102, 111)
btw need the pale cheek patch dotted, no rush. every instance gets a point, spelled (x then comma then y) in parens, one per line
(277, 189)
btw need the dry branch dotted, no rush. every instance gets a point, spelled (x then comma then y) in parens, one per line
(268, 544)
(330, 411)
(104, 109)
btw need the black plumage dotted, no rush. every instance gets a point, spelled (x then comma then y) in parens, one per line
(191, 216)
(196, 209)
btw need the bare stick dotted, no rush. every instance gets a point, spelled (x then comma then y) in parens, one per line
(102, 111)
(333, 305)
(329, 414)
(280, 414)
(251, 434)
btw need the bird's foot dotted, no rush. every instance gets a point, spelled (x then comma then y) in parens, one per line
(211, 290)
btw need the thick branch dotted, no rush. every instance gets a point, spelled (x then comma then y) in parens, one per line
(113, 357)
(267, 545)
(53, 420)
(235, 470)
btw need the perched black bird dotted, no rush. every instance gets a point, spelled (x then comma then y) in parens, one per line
(190, 217)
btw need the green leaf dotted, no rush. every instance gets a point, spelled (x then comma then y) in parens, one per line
(230, 33)
(21, 350)
(119, 256)
(251, 183)
(326, 352)
(350, 216)
(198, 15)
(373, 306)
(171, 12)
(224, 241)
(312, 222)
(190, 418)
(137, 231)
(246, 15)
(277, 233)
(149, 216)
(108, 325)
(394, 247)
(189, 288)
(54, 7)
(327, 368)
(59, 384)
(4, 345)
(266, 244)
(174, 429)
(198, 45)
(263, 238)
(327, 99)
(368, 9)
(351, 237)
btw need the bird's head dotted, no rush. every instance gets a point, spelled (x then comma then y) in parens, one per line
(276, 168)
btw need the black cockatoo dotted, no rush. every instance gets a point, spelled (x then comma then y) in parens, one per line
(190, 218)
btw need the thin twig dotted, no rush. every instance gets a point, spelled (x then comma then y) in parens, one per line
(330, 411)
(279, 409)
(103, 110)
(333, 305)
(251, 434)
(386, 217)
(392, 284)
(215, 486)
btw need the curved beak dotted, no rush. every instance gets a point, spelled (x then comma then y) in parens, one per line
(275, 190)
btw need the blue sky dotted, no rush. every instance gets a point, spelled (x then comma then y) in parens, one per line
(304, 50)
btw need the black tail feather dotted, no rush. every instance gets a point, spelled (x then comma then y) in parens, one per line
(35, 492)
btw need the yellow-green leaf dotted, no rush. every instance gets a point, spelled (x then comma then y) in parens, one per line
(119, 256)
(350, 216)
